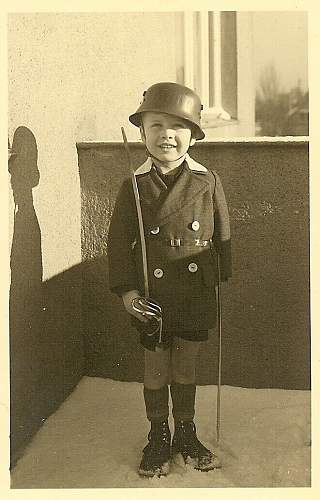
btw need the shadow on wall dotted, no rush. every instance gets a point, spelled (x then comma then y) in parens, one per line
(45, 335)
(111, 344)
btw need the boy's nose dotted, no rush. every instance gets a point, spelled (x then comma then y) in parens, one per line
(167, 133)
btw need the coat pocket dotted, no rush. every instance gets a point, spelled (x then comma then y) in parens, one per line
(210, 275)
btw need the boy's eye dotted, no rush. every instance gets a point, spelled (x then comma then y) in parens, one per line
(174, 125)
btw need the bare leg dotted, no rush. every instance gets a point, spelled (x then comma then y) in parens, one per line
(156, 368)
(184, 357)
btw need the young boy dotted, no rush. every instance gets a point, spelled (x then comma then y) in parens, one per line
(185, 223)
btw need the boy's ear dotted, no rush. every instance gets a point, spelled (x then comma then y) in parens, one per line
(143, 136)
(192, 141)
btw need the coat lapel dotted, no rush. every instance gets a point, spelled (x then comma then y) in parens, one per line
(159, 202)
(186, 189)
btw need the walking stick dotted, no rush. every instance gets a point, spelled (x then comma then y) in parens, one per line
(139, 214)
(144, 305)
(219, 350)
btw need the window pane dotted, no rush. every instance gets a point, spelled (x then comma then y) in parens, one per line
(229, 62)
(281, 73)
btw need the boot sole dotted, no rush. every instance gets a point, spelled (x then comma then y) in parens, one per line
(179, 459)
(160, 471)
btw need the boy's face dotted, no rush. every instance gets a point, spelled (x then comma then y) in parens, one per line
(166, 137)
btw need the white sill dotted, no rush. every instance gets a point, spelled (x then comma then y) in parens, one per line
(261, 139)
(208, 121)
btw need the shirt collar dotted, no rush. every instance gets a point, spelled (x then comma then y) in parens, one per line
(192, 164)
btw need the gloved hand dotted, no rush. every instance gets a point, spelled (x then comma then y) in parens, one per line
(147, 319)
(127, 298)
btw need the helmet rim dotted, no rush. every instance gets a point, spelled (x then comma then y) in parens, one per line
(172, 99)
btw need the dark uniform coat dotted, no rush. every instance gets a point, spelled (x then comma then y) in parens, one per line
(185, 225)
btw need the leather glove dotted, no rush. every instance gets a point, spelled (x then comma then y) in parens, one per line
(128, 298)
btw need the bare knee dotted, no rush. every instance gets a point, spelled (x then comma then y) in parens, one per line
(184, 357)
(156, 369)
(184, 373)
(155, 380)
(181, 378)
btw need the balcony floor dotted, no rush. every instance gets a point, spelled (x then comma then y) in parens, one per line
(95, 438)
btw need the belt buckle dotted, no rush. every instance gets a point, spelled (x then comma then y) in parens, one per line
(175, 242)
(200, 243)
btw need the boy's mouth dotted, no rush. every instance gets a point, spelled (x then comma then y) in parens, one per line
(166, 146)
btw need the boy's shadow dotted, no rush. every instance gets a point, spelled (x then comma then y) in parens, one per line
(46, 348)
(26, 257)
(25, 299)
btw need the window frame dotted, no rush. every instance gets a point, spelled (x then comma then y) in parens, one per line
(202, 62)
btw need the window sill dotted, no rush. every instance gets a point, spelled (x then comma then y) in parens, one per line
(208, 121)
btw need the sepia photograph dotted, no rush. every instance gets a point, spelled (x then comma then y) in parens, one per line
(158, 179)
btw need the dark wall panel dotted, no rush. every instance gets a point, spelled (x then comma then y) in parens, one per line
(266, 304)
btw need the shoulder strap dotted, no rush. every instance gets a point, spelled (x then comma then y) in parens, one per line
(213, 181)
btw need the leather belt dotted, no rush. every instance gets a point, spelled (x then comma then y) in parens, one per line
(178, 242)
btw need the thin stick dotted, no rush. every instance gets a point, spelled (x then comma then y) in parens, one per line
(139, 214)
(219, 351)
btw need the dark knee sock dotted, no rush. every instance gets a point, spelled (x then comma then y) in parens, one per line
(183, 401)
(156, 401)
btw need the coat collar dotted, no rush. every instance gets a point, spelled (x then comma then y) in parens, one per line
(192, 164)
(162, 204)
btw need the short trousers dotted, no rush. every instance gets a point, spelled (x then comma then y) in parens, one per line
(167, 337)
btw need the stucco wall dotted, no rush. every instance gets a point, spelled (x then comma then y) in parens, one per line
(266, 339)
(71, 77)
(46, 347)
(74, 77)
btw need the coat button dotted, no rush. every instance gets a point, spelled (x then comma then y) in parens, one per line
(158, 273)
(155, 230)
(195, 225)
(193, 268)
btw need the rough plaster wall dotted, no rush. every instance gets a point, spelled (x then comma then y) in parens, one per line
(46, 348)
(265, 305)
(71, 77)
(76, 77)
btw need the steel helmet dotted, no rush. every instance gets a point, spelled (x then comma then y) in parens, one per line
(173, 99)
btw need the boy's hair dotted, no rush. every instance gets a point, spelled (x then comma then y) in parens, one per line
(173, 99)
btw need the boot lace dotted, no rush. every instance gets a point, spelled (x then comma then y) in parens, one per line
(187, 442)
(159, 439)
